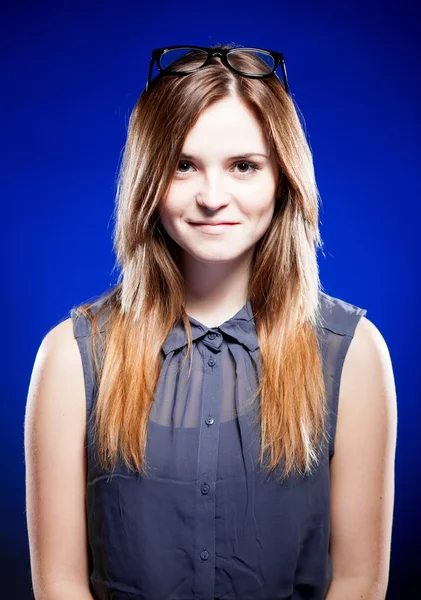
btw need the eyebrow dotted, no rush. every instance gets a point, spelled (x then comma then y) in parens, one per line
(245, 155)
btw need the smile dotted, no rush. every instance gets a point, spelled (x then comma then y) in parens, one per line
(220, 228)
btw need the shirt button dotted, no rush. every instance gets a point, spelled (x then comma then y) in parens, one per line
(204, 555)
(209, 421)
(212, 336)
(205, 488)
(211, 361)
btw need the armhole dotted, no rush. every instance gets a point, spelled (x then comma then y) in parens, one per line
(349, 330)
(81, 332)
(83, 338)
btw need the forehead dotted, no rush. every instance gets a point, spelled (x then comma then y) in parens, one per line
(227, 127)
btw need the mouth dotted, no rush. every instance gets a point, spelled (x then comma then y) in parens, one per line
(214, 227)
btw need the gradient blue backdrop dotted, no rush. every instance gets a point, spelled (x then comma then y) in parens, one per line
(71, 75)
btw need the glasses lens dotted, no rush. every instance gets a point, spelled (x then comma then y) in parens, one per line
(251, 62)
(183, 59)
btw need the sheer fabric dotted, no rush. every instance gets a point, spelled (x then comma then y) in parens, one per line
(206, 522)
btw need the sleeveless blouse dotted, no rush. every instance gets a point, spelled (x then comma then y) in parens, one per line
(207, 523)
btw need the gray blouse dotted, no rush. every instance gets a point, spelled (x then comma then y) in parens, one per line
(206, 522)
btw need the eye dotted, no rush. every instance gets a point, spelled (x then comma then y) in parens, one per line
(251, 167)
(182, 163)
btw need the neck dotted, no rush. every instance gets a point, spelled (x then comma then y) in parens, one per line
(216, 291)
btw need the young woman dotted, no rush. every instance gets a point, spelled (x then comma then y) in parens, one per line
(215, 426)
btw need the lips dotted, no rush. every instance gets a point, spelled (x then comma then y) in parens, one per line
(214, 228)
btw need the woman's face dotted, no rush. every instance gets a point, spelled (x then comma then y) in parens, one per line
(216, 182)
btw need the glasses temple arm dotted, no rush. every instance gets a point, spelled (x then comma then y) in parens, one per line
(150, 70)
(284, 73)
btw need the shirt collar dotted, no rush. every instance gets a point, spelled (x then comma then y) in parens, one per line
(241, 327)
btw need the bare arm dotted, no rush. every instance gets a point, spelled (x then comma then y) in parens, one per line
(362, 470)
(55, 423)
(64, 590)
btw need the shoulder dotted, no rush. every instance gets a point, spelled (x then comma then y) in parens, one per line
(97, 308)
(366, 380)
(361, 364)
(338, 315)
(59, 345)
(57, 382)
(368, 357)
(367, 412)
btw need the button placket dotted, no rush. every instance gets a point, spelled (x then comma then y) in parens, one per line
(206, 469)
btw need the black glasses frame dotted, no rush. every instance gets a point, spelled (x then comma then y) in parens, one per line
(222, 52)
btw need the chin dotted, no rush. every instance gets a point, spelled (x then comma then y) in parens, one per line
(221, 255)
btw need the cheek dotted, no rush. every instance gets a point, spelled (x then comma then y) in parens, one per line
(171, 216)
(264, 219)
(172, 205)
(167, 224)
(167, 211)
(264, 214)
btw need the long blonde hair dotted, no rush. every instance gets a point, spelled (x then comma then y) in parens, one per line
(150, 295)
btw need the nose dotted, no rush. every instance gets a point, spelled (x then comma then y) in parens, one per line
(213, 200)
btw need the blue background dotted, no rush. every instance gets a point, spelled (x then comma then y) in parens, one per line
(71, 75)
